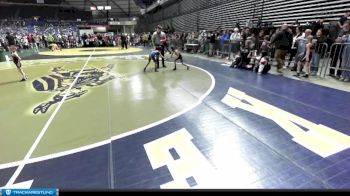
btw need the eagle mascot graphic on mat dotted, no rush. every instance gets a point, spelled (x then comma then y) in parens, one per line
(61, 79)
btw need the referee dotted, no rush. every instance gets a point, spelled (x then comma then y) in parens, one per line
(158, 40)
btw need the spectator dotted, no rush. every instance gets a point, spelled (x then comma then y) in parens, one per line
(265, 45)
(346, 53)
(224, 42)
(320, 50)
(235, 40)
(343, 19)
(10, 39)
(124, 42)
(316, 26)
(212, 41)
(283, 42)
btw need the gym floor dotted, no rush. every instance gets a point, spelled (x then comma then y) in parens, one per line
(92, 119)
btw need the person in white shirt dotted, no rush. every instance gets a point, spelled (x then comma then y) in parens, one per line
(235, 40)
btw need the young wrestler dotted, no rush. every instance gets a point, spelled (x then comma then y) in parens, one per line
(179, 57)
(306, 62)
(154, 55)
(17, 61)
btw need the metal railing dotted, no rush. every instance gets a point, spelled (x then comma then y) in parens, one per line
(318, 59)
(336, 58)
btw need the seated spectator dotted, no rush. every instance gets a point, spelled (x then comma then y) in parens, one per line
(263, 67)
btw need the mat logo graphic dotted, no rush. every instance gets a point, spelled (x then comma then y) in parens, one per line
(318, 138)
(8, 192)
(187, 165)
(61, 79)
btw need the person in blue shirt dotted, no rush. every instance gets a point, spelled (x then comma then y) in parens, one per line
(225, 42)
(154, 55)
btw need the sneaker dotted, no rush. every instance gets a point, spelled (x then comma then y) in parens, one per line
(305, 76)
(23, 79)
(297, 75)
(174, 69)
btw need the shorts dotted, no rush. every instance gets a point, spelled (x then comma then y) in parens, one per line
(150, 57)
(179, 58)
(159, 48)
(299, 58)
(18, 64)
(304, 59)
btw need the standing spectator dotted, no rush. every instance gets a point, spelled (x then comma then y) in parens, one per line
(149, 39)
(297, 23)
(235, 39)
(43, 38)
(333, 29)
(343, 19)
(124, 42)
(283, 42)
(273, 34)
(212, 40)
(265, 45)
(316, 26)
(10, 39)
(337, 52)
(84, 37)
(224, 42)
(319, 51)
(50, 39)
(245, 34)
(238, 25)
(145, 39)
(346, 52)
